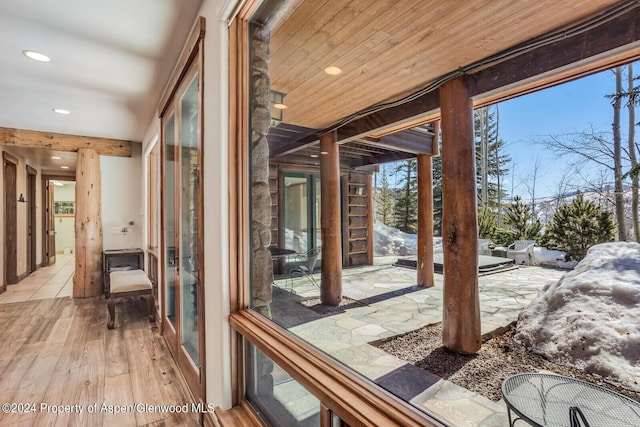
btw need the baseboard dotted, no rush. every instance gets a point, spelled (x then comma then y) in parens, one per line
(22, 276)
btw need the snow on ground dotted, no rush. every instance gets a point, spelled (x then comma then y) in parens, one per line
(590, 318)
(391, 241)
(551, 258)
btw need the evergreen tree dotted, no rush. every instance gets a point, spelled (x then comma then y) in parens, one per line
(437, 195)
(384, 200)
(577, 227)
(406, 207)
(487, 224)
(491, 161)
(520, 221)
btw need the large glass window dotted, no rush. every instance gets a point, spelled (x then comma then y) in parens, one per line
(276, 396)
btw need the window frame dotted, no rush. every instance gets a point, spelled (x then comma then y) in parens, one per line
(355, 399)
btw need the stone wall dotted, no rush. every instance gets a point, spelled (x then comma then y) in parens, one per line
(262, 267)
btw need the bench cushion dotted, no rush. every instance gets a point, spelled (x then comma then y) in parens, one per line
(128, 281)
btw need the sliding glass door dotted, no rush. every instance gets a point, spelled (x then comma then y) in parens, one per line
(302, 231)
(182, 228)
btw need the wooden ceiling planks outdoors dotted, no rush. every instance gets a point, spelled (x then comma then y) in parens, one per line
(390, 48)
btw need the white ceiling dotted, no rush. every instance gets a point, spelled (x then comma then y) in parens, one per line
(110, 61)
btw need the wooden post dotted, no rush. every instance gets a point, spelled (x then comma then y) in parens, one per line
(425, 274)
(425, 222)
(87, 280)
(461, 307)
(331, 284)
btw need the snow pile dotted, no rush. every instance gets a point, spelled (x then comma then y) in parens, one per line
(590, 319)
(391, 241)
(551, 258)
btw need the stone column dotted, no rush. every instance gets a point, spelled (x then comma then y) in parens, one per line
(262, 267)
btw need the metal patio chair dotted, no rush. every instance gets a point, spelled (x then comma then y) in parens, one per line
(305, 263)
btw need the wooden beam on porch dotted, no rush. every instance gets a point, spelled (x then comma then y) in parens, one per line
(425, 268)
(63, 142)
(406, 141)
(331, 283)
(461, 306)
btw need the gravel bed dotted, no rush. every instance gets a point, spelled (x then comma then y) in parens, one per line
(483, 372)
(314, 304)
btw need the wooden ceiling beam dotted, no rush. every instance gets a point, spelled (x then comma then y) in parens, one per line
(406, 141)
(63, 142)
(612, 42)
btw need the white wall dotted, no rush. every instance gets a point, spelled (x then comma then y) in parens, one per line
(122, 200)
(65, 225)
(216, 201)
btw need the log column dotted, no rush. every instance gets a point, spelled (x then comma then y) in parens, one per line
(461, 307)
(425, 271)
(87, 280)
(331, 284)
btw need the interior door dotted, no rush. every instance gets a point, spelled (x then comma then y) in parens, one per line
(10, 220)
(49, 247)
(182, 229)
(169, 230)
(31, 219)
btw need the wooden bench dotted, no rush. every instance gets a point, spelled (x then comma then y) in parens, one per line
(128, 283)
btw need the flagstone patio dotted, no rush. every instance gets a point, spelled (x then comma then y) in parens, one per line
(389, 304)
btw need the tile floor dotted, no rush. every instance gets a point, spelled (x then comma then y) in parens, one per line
(53, 281)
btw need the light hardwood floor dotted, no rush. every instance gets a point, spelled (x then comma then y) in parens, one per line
(56, 355)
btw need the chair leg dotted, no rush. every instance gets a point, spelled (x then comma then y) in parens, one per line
(152, 308)
(111, 306)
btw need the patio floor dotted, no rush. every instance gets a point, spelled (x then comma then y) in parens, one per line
(387, 303)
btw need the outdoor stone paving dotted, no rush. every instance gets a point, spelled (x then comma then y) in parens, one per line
(393, 305)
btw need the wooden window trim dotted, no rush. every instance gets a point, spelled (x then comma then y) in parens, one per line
(191, 48)
(350, 396)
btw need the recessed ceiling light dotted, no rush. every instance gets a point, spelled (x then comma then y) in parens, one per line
(324, 152)
(280, 106)
(56, 157)
(64, 167)
(61, 111)
(36, 56)
(314, 156)
(333, 71)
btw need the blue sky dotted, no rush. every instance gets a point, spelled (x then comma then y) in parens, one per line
(570, 107)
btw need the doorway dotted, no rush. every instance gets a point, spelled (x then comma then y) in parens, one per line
(301, 212)
(10, 220)
(31, 220)
(58, 216)
(183, 323)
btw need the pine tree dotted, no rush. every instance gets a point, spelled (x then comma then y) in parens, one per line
(437, 196)
(520, 221)
(487, 223)
(491, 162)
(384, 200)
(406, 206)
(577, 227)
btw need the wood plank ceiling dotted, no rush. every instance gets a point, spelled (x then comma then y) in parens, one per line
(390, 48)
